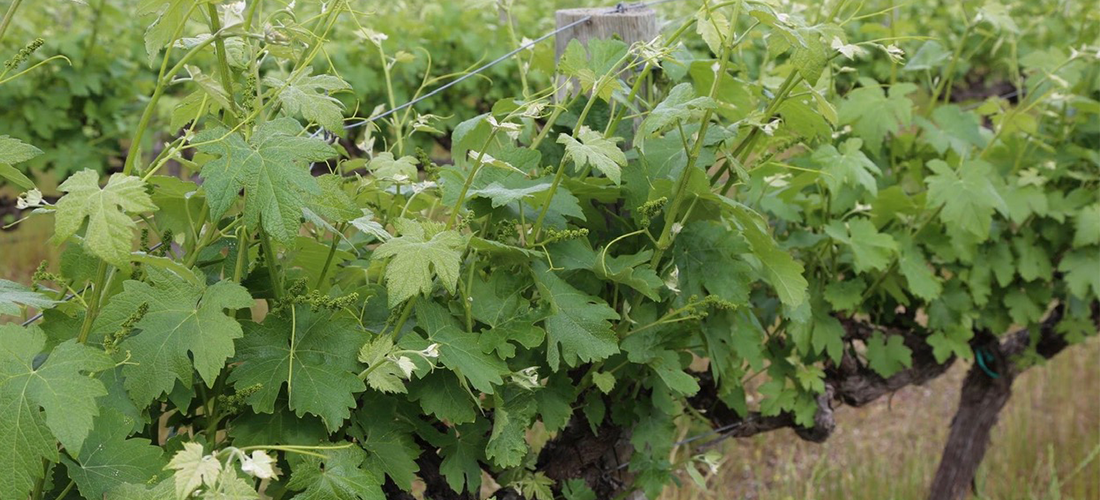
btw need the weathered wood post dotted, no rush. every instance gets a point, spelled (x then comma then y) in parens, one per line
(630, 25)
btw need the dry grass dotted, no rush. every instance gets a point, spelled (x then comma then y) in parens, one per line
(891, 448)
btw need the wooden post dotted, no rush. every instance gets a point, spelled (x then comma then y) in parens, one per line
(630, 25)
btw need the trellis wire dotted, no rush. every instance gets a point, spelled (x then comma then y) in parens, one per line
(620, 8)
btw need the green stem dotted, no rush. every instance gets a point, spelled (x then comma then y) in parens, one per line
(242, 253)
(223, 62)
(560, 173)
(949, 73)
(272, 267)
(93, 304)
(68, 488)
(8, 17)
(147, 115)
(470, 180)
(95, 34)
(331, 253)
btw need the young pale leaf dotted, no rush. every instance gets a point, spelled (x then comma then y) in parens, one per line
(185, 329)
(194, 469)
(43, 402)
(579, 323)
(12, 294)
(385, 166)
(423, 249)
(339, 475)
(384, 374)
(108, 459)
(270, 168)
(110, 231)
(967, 195)
(680, 105)
(847, 166)
(170, 15)
(594, 150)
(309, 96)
(871, 249)
(713, 27)
(313, 353)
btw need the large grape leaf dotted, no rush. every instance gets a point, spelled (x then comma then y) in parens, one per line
(14, 151)
(338, 476)
(579, 323)
(312, 353)
(185, 326)
(110, 230)
(12, 293)
(109, 460)
(459, 349)
(967, 195)
(872, 114)
(870, 248)
(308, 96)
(271, 169)
(42, 402)
(422, 250)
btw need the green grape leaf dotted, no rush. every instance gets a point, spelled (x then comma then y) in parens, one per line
(110, 231)
(967, 195)
(1081, 269)
(43, 402)
(579, 323)
(12, 294)
(383, 374)
(810, 57)
(338, 476)
(14, 151)
(170, 15)
(872, 114)
(390, 447)
(501, 195)
(458, 349)
(462, 451)
(441, 394)
(108, 459)
(270, 168)
(312, 353)
(951, 342)
(847, 166)
(309, 96)
(913, 265)
(952, 128)
(871, 249)
(334, 204)
(513, 415)
(423, 249)
(1088, 226)
(781, 270)
(681, 105)
(593, 149)
(845, 295)
(888, 356)
(704, 246)
(185, 326)
(600, 67)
